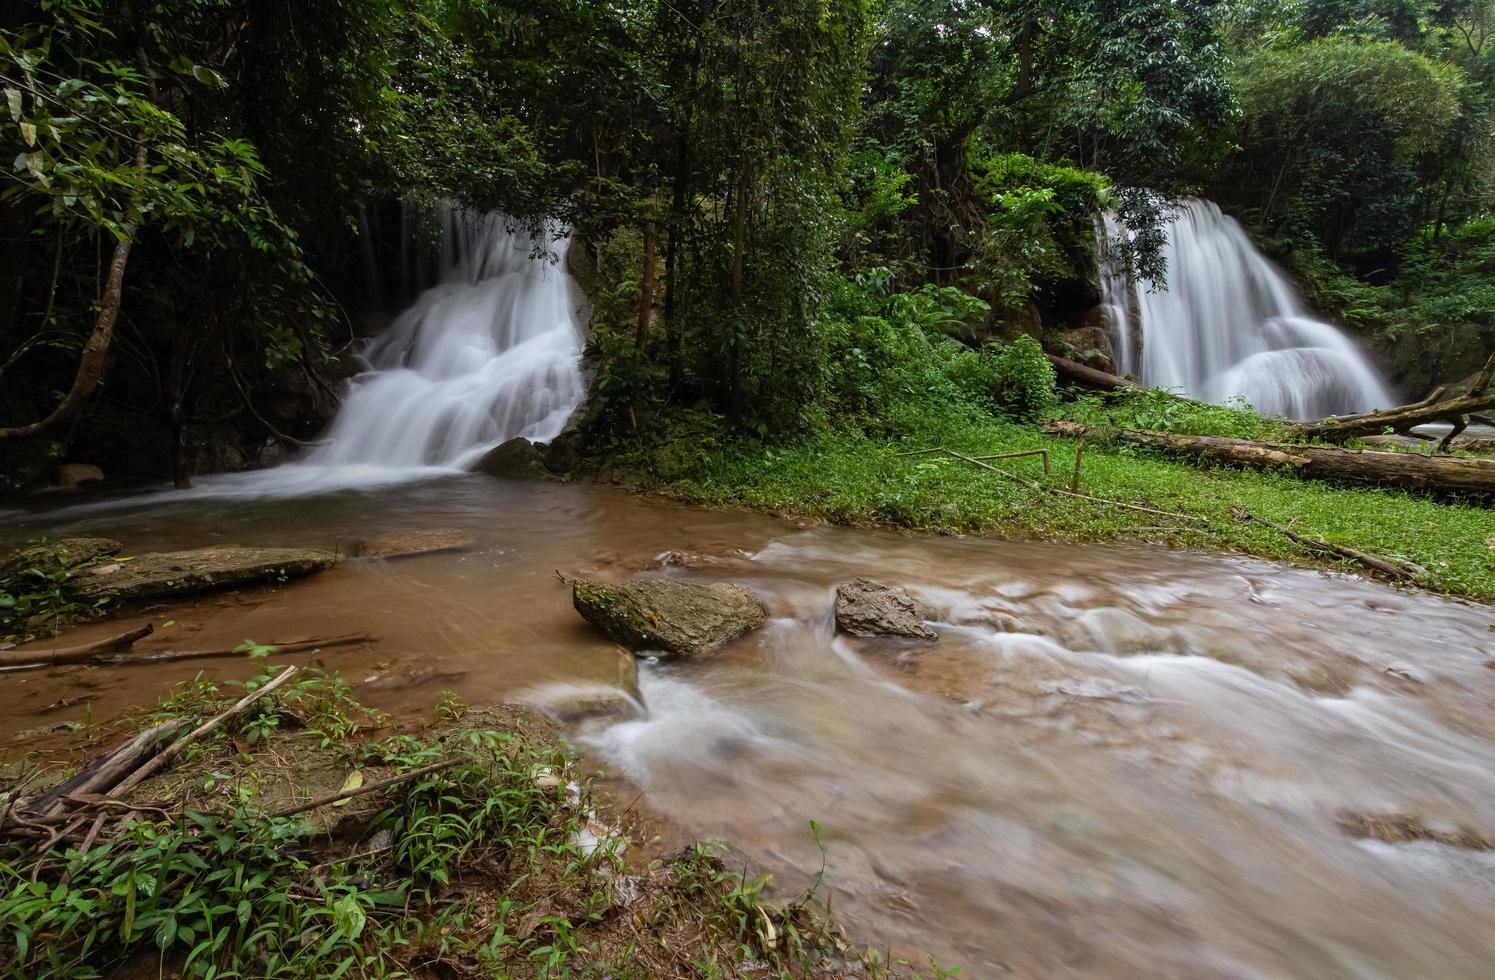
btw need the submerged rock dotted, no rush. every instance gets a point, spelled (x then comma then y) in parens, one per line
(405, 544)
(164, 574)
(680, 618)
(56, 556)
(867, 608)
(517, 459)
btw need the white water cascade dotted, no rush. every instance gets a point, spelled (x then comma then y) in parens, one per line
(493, 351)
(1229, 323)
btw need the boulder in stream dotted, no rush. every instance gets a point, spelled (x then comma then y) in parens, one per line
(164, 574)
(680, 618)
(867, 608)
(517, 459)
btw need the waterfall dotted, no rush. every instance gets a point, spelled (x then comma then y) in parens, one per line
(1229, 323)
(492, 351)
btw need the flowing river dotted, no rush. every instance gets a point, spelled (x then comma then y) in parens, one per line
(1114, 762)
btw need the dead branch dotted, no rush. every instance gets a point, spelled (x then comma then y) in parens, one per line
(1388, 567)
(159, 656)
(1456, 411)
(176, 748)
(102, 773)
(67, 655)
(295, 808)
(1088, 376)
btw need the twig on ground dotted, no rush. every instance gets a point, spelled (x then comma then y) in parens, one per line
(176, 748)
(320, 801)
(1379, 563)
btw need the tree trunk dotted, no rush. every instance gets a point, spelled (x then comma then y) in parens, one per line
(1448, 475)
(91, 364)
(1088, 376)
(646, 286)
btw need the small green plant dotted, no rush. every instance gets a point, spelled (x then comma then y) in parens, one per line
(34, 598)
(1025, 379)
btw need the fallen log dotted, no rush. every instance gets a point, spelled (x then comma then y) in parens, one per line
(106, 655)
(1088, 376)
(82, 653)
(1449, 475)
(1457, 411)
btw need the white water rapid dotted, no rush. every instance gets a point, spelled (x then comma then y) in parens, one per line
(493, 351)
(1229, 323)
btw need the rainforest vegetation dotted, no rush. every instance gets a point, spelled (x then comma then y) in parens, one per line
(796, 220)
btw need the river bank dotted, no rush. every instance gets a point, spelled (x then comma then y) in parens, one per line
(1132, 496)
(298, 832)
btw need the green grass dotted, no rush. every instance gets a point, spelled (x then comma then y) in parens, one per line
(854, 479)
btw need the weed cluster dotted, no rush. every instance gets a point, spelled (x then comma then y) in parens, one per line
(34, 598)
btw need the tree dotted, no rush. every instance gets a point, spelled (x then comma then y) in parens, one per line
(1332, 134)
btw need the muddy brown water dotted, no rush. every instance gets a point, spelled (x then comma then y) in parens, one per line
(1114, 762)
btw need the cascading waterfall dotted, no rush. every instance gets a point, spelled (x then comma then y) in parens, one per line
(493, 351)
(1229, 323)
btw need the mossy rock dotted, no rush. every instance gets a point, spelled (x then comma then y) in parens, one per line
(678, 618)
(56, 556)
(163, 574)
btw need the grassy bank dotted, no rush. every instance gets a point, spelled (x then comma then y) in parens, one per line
(854, 478)
(469, 847)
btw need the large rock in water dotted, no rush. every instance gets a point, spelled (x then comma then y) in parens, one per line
(162, 574)
(867, 608)
(517, 459)
(56, 556)
(680, 618)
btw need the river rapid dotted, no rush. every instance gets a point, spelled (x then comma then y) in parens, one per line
(1114, 761)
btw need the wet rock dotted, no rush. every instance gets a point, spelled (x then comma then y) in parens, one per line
(517, 459)
(587, 703)
(405, 544)
(867, 608)
(73, 474)
(164, 574)
(55, 556)
(564, 453)
(1091, 344)
(680, 618)
(1400, 828)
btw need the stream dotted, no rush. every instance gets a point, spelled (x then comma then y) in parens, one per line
(1114, 762)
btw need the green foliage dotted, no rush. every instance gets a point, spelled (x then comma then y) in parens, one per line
(1040, 231)
(1332, 135)
(1025, 379)
(35, 600)
(1163, 411)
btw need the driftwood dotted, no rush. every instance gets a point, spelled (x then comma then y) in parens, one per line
(1089, 376)
(1457, 411)
(1391, 568)
(106, 652)
(104, 772)
(78, 654)
(1452, 475)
